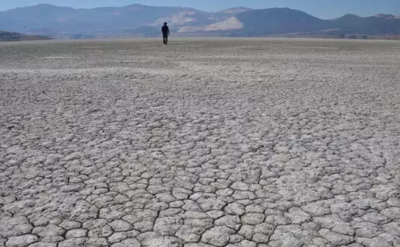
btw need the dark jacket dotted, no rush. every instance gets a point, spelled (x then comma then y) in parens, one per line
(165, 30)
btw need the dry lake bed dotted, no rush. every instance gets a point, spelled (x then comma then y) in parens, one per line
(226, 142)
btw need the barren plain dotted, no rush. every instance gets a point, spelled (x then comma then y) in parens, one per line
(226, 142)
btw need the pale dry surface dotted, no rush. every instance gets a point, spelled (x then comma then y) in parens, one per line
(247, 142)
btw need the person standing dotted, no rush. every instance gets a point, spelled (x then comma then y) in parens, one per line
(166, 33)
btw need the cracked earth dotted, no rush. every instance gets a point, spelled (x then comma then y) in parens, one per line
(247, 143)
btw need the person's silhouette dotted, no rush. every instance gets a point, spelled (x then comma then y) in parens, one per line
(166, 33)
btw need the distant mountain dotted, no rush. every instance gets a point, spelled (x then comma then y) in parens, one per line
(195, 20)
(107, 19)
(228, 13)
(233, 11)
(145, 31)
(186, 18)
(141, 20)
(378, 24)
(278, 20)
(10, 36)
(84, 20)
(289, 21)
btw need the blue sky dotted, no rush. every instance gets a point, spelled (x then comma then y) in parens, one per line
(320, 8)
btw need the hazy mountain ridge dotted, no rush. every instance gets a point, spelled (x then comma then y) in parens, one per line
(66, 19)
(142, 20)
(378, 24)
(10, 36)
(279, 20)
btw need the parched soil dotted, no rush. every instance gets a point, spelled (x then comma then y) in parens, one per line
(212, 142)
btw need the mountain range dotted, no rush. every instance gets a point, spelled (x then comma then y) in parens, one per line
(10, 36)
(141, 20)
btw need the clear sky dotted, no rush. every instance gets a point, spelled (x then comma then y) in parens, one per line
(320, 8)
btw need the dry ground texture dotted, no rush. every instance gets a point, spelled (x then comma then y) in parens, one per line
(239, 142)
